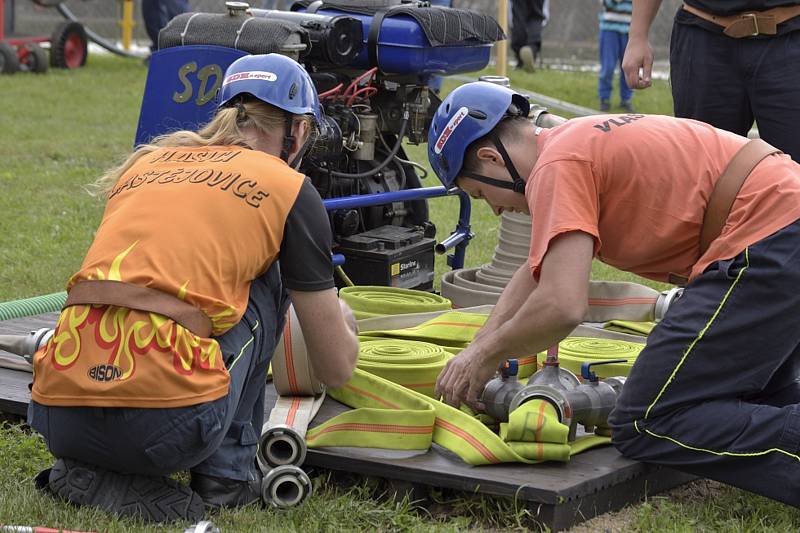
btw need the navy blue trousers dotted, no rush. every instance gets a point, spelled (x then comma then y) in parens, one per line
(730, 82)
(715, 392)
(216, 438)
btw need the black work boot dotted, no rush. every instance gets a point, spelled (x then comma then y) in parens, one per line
(156, 499)
(219, 492)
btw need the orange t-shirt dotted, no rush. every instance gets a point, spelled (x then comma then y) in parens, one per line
(639, 184)
(195, 223)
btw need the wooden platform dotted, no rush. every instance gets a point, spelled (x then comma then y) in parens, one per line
(559, 495)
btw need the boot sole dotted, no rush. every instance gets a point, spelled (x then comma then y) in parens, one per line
(527, 59)
(154, 499)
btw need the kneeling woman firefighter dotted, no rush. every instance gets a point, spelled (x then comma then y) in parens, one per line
(715, 391)
(160, 355)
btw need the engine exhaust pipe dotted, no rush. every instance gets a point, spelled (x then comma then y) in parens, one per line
(285, 486)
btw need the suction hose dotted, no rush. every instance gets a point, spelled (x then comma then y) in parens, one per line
(32, 306)
(95, 38)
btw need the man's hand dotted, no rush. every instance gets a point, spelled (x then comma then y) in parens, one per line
(463, 379)
(638, 63)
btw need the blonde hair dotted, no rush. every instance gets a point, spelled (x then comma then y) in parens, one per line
(225, 129)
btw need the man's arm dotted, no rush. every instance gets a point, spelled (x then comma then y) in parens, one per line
(516, 292)
(638, 53)
(329, 330)
(547, 315)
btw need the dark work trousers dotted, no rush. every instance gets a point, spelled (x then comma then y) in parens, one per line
(715, 391)
(527, 19)
(730, 82)
(216, 438)
(157, 13)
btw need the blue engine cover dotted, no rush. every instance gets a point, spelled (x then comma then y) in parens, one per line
(403, 48)
(181, 88)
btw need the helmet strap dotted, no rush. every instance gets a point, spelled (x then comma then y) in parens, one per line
(288, 138)
(490, 181)
(303, 149)
(518, 184)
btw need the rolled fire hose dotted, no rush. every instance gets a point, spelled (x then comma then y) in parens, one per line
(608, 300)
(574, 351)
(387, 415)
(369, 301)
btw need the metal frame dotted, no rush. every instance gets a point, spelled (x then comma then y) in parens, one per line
(458, 239)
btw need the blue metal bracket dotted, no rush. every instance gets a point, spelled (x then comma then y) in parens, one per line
(459, 238)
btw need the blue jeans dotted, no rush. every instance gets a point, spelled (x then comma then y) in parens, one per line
(612, 49)
(157, 13)
(715, 392)
(217, 438)
(730, 82)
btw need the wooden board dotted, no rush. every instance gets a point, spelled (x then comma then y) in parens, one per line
(559, 495)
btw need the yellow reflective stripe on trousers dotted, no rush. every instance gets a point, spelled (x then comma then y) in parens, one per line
(701, 334)
(680, 363)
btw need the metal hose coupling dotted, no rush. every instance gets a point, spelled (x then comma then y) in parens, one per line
(26, 345)
(665, 300)
(281, 445)
(587, 404)
(205, 526)
(285, 486)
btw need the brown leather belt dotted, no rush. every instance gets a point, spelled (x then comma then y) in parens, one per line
(119, 293)
(749, 23)
(724, 193)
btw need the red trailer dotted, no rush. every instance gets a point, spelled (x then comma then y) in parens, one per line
(68, 44)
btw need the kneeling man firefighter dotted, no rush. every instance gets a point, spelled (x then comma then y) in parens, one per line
(160, 355)
(715, 391)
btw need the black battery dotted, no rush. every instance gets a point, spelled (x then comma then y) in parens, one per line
(392, 256)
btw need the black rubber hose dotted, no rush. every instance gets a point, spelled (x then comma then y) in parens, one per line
(67, 14)
(385, 162)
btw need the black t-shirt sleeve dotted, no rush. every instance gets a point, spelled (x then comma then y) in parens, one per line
(306, 248)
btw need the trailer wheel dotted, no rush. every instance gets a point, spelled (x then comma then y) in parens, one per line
(68, 46)
(33, 58)
(9, 63)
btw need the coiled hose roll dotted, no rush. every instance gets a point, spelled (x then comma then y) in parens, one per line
(574, 351)
(369, 301)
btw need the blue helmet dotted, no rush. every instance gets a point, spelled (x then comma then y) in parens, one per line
(274, 79)
(468, 113)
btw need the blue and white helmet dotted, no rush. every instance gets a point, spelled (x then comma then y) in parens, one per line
(468, 113)
(274, 79)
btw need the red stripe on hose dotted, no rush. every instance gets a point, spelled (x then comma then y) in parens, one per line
(292, 411)
(540, 422)
(372, 396)
(472, 441)
(287, 350)
(374, 428)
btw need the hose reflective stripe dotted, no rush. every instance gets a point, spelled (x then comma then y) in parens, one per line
(618, 300)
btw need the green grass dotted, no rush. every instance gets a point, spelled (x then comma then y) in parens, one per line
(61, 130)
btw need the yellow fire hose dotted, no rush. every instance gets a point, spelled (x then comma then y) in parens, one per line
(370, 301)
(574, 351)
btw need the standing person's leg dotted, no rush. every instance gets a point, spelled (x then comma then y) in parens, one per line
(229, 476)
(707, 78)
(151, 14)
(173, 8)
(625, 92)
(533, 34)
(608, 61)
(519, 36)
(774, 89)
(705, 395)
